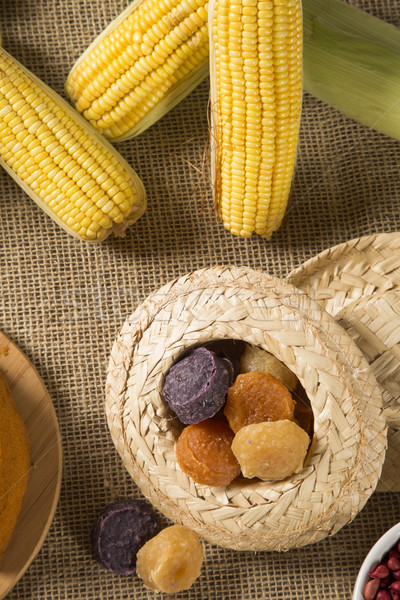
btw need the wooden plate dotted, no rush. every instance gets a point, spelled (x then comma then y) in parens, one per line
(42, 494)
(342, 277)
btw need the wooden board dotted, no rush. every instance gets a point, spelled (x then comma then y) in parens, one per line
(43, 490)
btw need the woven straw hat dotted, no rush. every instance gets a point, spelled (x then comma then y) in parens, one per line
(348, 449)
(349, 271)
(374, 324)
(358, 282)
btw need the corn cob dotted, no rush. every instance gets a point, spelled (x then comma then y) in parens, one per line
(256, 92)
(142, 65)
(66, 167)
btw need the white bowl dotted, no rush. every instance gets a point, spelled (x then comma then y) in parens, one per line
(373, 558)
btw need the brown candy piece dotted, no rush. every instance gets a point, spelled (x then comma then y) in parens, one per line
(271, 450)
(257, 397)
(303, 414)
(203, 452)
(171, 561)
(257, 359)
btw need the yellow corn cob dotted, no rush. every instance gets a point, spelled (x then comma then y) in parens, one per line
(141, 66)
(256, 90)
(64, 165)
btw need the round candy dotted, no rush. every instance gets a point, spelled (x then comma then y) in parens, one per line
(230, 349)
(171, 561)
(272, 450)
(256, 397)
(203, 452)
(120, 531)
(196, 386)
(257, 359)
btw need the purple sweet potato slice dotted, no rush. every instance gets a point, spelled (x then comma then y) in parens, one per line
(230, 349)
(195, 387)
(120, 531)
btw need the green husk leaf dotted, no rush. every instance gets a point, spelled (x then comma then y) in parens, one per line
(352, 62)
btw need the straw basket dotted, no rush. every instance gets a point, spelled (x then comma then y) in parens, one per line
(348, 448)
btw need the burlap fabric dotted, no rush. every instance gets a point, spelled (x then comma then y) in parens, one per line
(63, 303)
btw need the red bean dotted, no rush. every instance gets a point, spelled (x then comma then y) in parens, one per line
(386, 581)
(395, 586)
(393, 563)
(383, 595)
(380, 572)
(396, 574)
(395, 596)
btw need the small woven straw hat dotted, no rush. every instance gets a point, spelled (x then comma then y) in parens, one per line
(349, 271)
(374, 324)
(348, 448)
(358, 282)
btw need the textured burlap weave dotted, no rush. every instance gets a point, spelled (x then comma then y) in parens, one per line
(63, 303)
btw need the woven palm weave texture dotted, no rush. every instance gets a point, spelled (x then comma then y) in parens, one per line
(63, 302)
(369, 326)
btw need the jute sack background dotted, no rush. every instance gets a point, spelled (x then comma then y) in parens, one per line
(64, 302)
